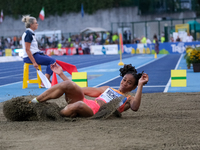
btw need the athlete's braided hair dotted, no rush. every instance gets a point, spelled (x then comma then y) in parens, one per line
(129, 69)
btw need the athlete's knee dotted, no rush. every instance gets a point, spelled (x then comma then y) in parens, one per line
(80, 105)
(66, 85)
(62, 112)
(83, 110)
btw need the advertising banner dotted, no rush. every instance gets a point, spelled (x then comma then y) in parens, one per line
(164, 48)
(19, 52)
(8, 52)
(61, 51)
(104, 49)
(177, 47)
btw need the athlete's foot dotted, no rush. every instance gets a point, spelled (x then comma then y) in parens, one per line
(33, 101)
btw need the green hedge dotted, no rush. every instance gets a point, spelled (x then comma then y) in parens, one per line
(16, 8)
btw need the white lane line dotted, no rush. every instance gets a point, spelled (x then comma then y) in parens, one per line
(107, 81)
(169, 82)
(83, 68)
(5, 71)
(21, 74)
(146, 86)
(136, 68)
(17, 70)
(16, 75)
(154, 86)
(10, 84)
(178, 62)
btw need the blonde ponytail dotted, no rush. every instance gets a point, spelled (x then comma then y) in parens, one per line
(28, 20)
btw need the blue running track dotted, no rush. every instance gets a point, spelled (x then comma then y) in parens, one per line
(103, 70)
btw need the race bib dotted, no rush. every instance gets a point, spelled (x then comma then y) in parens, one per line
(110, 94)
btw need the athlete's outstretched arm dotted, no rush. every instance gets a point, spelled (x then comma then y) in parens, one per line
(135, 101)
(94, 92)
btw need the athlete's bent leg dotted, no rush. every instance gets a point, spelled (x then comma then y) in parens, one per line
(72, 91)
(77, 109)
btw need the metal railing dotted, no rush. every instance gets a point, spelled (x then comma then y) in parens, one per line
(149, 28)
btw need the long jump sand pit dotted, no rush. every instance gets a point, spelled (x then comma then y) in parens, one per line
(164, 121)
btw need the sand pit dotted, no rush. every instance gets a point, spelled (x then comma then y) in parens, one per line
(21, 109)
(164, 121)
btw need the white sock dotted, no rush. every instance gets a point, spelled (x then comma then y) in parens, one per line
(34, 100)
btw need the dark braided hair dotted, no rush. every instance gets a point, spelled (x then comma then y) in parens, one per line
(129, 69)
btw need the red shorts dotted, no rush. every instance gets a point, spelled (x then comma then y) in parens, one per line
(92, 104)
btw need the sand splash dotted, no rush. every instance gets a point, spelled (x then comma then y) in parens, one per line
(19, 109)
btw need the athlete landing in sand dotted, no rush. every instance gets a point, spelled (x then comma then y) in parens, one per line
(78, 105)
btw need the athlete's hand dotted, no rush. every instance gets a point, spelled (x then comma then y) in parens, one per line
(56, 68)
(144, 79)
(35, 65)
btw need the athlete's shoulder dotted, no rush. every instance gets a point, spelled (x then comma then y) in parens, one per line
(28, 36)
(28, 32)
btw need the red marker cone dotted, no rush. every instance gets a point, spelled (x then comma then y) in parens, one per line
(54, 79)
(66, 67)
